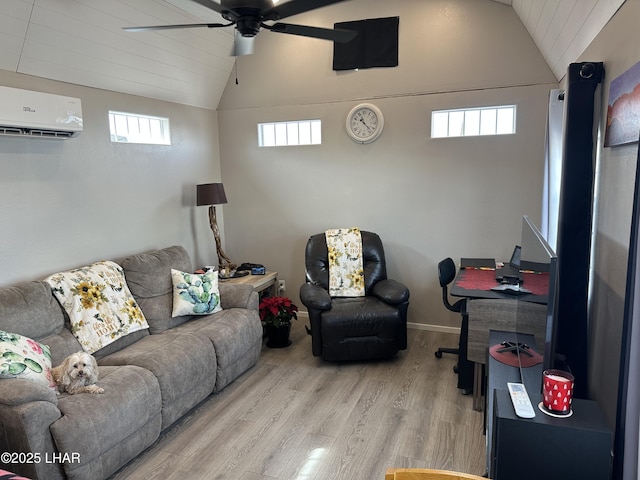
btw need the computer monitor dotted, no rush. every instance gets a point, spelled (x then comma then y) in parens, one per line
(537, 256)
(515, 256)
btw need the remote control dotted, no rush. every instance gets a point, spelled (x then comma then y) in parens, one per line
(521, 401)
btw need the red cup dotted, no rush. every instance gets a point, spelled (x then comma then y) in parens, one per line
(557, 391)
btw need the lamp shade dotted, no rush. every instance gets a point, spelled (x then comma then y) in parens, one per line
(210, 194)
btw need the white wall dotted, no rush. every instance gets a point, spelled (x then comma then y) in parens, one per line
(616, 46)
(428, 199)
(67, 203)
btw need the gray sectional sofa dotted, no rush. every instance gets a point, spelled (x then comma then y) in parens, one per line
(151, 377)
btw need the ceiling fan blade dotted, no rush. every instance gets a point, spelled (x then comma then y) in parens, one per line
(242, 45)
(173, 27)
(293, 7)
(335, 35)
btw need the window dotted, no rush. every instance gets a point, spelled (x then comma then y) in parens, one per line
(134, 128)
(280, 134)
(473, 121)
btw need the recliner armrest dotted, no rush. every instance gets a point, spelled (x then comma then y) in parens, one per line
(391, 292)
(313, 296)
(18, 391)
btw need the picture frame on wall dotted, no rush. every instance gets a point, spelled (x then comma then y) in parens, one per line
(623, 109)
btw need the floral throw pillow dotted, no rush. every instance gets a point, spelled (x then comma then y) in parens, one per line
(21, 357)
(195, 294)
(99, 304)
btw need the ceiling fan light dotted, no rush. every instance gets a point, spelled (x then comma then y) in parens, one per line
(242, 45)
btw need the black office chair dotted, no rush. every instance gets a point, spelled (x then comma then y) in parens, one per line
(446, 275)
(464, 368)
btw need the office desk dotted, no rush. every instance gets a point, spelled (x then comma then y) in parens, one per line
(500, 314)
(477, 283)
(486, 315)
(490, 310)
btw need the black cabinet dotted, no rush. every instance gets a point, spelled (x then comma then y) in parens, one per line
(543, 447)
(578, 446)
(498, 374)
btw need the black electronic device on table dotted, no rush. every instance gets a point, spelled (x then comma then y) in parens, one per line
(253, 268)
(510, 273)
(234, 274)
(511, 289)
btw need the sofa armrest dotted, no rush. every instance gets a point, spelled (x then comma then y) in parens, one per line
(17, 391)
(391, 292)
(315, 297)
(238, 296)
(27, 410)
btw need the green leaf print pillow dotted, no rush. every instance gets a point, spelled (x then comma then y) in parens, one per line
(195, 294)
(22, 357)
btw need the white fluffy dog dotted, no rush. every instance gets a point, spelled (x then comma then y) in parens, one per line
(78, 373)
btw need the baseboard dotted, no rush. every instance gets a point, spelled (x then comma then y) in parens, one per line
(433, 328)
(416, 326)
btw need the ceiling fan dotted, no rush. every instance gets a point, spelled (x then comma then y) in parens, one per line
(249, 16)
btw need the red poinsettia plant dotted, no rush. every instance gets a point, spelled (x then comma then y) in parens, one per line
(277, 311)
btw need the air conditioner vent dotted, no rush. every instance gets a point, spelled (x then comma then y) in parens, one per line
(49, 133)
(10, 131)
(33, 132)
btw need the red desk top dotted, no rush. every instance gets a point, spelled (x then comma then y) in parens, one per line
(483, 280)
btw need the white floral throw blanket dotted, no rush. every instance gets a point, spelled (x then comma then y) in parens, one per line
(346, 273)
(99, 304)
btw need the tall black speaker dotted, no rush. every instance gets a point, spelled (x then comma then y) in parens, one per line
(575, 219)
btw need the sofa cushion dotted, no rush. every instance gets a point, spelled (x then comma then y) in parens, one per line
(149, 274)
(149, 278)
(121, 343)
(99, 304)
(236, 335)
(28, 308)
(22, 357)
(183, 364)
(106, 431)
(195, 294)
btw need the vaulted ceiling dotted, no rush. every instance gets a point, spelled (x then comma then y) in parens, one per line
(82, 42)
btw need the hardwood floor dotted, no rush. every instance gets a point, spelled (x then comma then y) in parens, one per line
(294, 416)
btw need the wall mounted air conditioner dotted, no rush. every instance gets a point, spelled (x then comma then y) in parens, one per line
(26, 113)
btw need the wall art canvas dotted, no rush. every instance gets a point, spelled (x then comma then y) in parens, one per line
(623, 111)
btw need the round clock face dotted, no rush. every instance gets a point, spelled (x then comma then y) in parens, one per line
(364, 123)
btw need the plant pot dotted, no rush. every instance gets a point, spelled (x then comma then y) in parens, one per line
(278, 337)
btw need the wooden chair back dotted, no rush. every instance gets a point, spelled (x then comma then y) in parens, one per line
(427, 474)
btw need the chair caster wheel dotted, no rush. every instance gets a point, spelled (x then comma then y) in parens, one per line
(438, 354)
(455, 369)
(466, 391)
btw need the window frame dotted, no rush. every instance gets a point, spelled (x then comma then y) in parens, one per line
(468, 122)
(288, 133)
(154, 130)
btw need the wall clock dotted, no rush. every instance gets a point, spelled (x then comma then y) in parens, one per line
(364, 123)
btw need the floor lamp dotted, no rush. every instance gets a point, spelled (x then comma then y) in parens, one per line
(212, 194)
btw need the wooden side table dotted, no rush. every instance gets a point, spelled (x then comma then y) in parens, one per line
(263, 284)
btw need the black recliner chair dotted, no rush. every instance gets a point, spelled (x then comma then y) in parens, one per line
(464, 368)
(358, 328)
